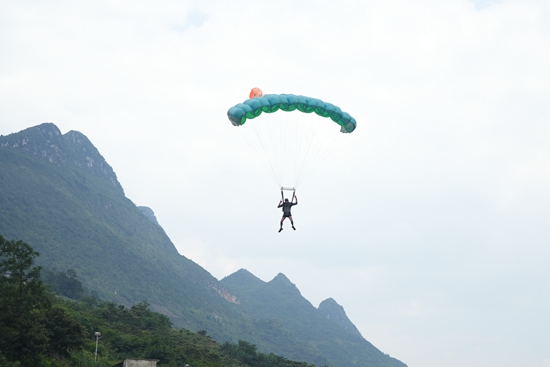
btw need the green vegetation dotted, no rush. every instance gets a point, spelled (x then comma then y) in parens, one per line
(41, 329)
(31, 324)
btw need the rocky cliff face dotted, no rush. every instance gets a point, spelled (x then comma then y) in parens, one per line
(73, 148)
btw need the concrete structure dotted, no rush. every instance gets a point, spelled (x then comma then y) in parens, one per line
(138, 362)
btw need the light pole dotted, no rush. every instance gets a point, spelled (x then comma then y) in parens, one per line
(97, 336)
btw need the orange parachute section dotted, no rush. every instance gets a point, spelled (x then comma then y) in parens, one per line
(255, 93)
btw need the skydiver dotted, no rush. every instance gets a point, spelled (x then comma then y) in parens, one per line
(286, 205)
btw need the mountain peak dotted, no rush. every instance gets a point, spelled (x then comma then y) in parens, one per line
(45, 141)
(282, 283)
(47, 128)
(243, 279)
(244, 274)
(331, 310)
(282, 279)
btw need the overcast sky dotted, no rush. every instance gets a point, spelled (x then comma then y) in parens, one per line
(430, 225)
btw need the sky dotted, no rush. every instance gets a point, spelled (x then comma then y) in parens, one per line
(430, 224)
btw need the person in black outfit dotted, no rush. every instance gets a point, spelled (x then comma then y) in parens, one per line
(286, 205)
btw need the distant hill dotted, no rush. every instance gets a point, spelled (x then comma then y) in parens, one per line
(58, 194)
(280, 300)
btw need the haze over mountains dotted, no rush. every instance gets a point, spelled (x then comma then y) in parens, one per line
(59, 195)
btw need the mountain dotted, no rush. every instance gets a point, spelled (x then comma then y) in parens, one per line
(58, 194)
(280, 300)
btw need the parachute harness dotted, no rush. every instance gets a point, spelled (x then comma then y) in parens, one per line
(288, 189)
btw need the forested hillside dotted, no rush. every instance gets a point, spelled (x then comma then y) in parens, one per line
(43, 328)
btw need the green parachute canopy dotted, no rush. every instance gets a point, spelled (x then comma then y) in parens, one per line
(269, 103)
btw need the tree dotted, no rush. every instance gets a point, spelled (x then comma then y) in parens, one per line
(64, 283)
(22, 304)
(68, 285)
(64, 332)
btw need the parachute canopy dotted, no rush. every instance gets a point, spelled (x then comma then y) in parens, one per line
(269, 103)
